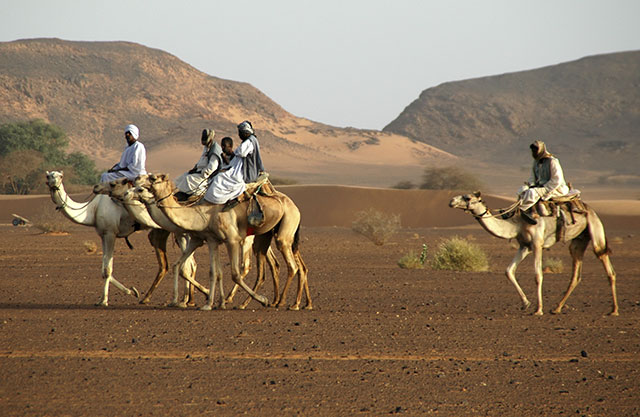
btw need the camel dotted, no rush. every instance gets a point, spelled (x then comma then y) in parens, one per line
(263, 253)
(213, 225)
(533, 238)
(158, 236)
(110, 220)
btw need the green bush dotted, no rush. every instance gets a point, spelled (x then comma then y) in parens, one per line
(449, 178)
(375, 225)
(413, 260)
(457, 254)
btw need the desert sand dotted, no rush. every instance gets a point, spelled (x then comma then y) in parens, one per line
(380, 340)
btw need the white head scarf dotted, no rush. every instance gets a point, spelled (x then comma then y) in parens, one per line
(134, 131)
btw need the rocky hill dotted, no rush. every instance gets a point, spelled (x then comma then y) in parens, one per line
(588, 111)
(93, 89)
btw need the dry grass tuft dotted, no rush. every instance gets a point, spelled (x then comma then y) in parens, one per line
(376, 225)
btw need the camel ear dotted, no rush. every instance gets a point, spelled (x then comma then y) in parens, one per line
(477, 194)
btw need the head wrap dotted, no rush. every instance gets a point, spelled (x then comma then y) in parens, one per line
(207, 135)
(539, 150)
(133, 129)
(245, 127)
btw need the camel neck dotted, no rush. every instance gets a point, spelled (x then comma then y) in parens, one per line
(501, 228)
(81, 213)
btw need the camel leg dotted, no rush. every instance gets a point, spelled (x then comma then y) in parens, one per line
(292, 269)
(191, 247)
(577, 249)
(247, 244)
(303, 280)
(158, 239)
(522, 253)
(108, 245)
(235, 253)
(263, 252)
(215, 276)
(537, 265)
(608, 266)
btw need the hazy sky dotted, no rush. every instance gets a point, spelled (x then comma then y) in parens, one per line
(345, 63)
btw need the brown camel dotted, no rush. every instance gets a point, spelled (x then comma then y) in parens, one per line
(215, 226)
(586, 227)
(140, 194)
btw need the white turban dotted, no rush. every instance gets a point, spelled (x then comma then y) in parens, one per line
(134, 131)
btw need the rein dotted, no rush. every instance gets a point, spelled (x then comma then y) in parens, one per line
(501, 212)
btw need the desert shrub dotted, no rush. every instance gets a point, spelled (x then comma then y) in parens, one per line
(90, 246)
(457, 254)
(449, 178)
(376, 225)
(48, 220)
(413, 260)
(552, 265)
(282, 181)
(404, 185)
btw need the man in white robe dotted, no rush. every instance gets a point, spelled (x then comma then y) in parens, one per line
(196, 181)
(229, 183)
(133, 159)
(546, 181)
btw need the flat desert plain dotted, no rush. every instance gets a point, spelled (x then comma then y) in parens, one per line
(380, 340)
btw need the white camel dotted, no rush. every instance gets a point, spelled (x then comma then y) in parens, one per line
(107, 217)
(142, 194)
(117, 189)
(534, 238)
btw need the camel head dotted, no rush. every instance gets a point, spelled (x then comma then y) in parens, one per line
(160, 186)
(54, 179)
(469, 202)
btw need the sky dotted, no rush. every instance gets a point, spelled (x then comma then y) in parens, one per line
(354, 63)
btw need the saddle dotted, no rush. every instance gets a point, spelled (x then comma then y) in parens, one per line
(263, 187)
(563, 208)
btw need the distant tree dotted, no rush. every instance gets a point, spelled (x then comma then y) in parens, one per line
(449, 178)
(17, 175)
(27, 149)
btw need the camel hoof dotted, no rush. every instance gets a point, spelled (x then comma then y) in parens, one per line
(205, 307)
(135, 292)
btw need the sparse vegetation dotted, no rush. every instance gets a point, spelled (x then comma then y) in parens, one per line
(48, 220)
(90, 246)
(376, 225)
(404, 185)
(450, 178)
(457, 254)
(413, 260)
(552, 265)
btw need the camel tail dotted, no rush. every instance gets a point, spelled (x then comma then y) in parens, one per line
(296, 240)
(596, 231)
